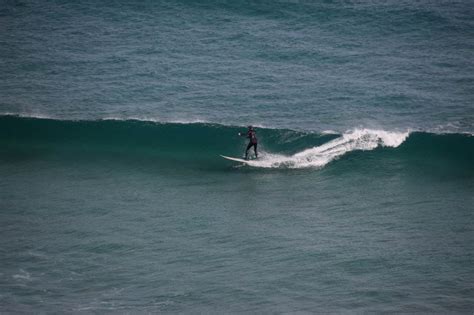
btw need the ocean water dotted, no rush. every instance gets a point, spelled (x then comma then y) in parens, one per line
(114, 199)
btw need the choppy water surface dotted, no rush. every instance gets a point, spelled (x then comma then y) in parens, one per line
(113, 197)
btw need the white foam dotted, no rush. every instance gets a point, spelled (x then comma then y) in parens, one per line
(317, 157)
(189, 121)
(138, 118)
(27, 115)
(329, 132)
(156, 119)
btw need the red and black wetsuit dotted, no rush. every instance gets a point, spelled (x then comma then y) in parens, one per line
(252, 136)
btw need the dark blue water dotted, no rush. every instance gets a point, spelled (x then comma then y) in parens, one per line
(113, 197)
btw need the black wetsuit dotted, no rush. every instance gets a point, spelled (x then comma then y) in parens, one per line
(252, 143)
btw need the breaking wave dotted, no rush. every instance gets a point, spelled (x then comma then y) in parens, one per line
(204, 142)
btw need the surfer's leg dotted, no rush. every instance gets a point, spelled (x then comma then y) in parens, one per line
(247, 151)
(255, 150)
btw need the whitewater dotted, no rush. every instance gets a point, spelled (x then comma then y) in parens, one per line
(364, 139)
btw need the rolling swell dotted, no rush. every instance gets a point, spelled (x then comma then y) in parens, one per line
(30, 138)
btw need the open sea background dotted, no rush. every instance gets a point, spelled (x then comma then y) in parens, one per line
(113, 197)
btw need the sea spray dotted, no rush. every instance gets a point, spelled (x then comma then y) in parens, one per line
(358, 139)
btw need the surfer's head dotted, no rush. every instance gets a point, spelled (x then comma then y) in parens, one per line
(250, 127)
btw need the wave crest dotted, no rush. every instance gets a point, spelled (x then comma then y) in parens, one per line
(200, 144)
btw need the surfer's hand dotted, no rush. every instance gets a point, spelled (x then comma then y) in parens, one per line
(239, 134)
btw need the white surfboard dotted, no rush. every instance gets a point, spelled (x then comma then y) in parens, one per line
(236, 159)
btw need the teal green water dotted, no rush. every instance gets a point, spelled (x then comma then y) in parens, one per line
(127, 220)
(113, 197)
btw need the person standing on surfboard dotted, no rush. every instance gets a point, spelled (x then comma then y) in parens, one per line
(252, 136)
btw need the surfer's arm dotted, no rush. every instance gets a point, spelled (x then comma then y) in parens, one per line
(245, 134)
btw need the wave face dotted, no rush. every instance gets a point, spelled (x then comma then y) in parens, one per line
(202, 143)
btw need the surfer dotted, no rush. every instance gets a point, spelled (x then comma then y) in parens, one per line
(252, 136)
